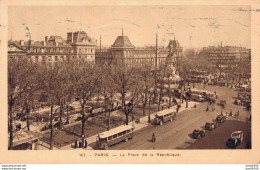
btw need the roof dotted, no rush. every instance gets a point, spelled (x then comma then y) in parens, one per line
(115, 131)
(164, 112)
(40, 44)
(122, 42)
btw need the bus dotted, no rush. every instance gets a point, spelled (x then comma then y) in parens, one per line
(113, 136)
(201, 92)
(164, 116)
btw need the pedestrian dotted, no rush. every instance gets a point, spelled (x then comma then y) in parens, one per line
(186, 104)
(230, 112)
(207, 108)
(215, 93)
(80, 144)
(153, 138)
(195, 105)
(221, 113)
(86, 143)
(76, 144)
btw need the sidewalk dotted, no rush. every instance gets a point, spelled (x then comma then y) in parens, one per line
(137, 126)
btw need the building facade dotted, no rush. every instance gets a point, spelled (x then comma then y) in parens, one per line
(123, 49)
(225, 55)
(55, 48)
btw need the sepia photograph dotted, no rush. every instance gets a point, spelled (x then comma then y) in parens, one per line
(129, 77)
(121, 82)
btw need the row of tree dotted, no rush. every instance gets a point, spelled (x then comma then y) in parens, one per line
(62, 82)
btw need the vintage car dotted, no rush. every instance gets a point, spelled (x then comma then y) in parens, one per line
(235, 139)
(222, 103)
(197, 97)
(210, 125)
(197, 134)
(220, 118)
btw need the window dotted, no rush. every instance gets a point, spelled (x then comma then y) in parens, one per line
(120, 134)
(128, 131)
(115, 136)
(110, 137)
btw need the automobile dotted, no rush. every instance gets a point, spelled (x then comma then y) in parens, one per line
(197, 134)
(222, 103)
(210, 125)
(235, 139)
(220, 118)
(210, 99)
(197, 97)
(238, 102)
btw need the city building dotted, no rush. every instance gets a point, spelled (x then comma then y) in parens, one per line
(123, 49)
(225, 55)
(55, 48)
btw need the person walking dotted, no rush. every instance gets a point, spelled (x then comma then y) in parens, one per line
(207, 108)
(76, 144)
(153, 138)
(86, 143)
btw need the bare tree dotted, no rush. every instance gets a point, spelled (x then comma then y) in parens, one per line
(146, 84)
(86, 77)
(20, 82)
(126, 82)
(50, 81)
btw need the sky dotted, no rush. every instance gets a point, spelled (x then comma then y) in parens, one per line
(193, 26)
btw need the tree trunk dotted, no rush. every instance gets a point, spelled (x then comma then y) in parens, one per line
(126, 118)
(144, 109)
(27, 116)
(51, 136)
(67, 107)
(61, 112)
(108, 125)
(11, 124)
(83, 124)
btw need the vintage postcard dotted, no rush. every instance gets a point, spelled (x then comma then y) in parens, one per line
(129, 82)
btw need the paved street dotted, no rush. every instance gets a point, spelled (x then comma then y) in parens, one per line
(175, 135)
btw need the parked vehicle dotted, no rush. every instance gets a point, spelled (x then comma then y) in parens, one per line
(197, 134)
(113, 136)
(220, 118)
(222, 103)
(164, 116)
(197, 97)
(235, 139)
(210, 125)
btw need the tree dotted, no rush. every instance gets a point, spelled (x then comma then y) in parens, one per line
(160, 75)
(51, 82)
(126, 81)
(20, 83)
(85, 76)
(147, 84)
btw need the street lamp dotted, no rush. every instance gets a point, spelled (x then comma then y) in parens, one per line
(109, 108)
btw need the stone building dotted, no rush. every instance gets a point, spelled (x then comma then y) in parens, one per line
(123, 49)
(55, 48)
(225, 55)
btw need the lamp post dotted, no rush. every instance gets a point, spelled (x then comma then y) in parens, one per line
(110, 106)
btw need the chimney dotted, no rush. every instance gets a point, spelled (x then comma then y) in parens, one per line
(21, 42)
(44, 43)
(69, 37)
(46, 39)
